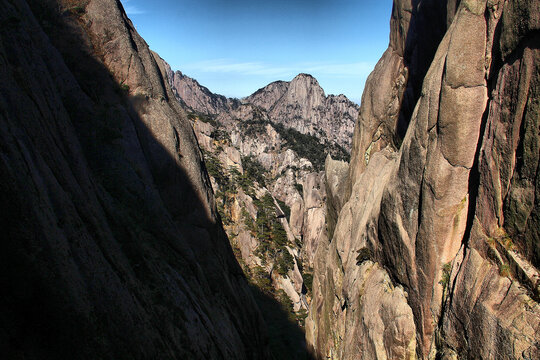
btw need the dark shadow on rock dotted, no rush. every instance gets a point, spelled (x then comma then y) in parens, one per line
(426, 30)
(286, 338)
(111, 249)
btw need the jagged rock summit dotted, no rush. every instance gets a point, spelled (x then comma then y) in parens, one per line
(303, 105)
(197, 97)
(300, 104)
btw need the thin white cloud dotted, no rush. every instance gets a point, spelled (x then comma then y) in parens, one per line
(263, 69)
(350, 69)
(245, 68)
(131, 9)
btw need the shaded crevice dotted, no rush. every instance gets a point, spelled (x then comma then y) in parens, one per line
(474, 180)
(101, 308)
(429, 19)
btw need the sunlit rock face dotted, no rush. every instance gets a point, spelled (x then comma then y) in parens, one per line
(434, 250)
(112, 246)
(303, 105)
(300, 104)
(286, 129)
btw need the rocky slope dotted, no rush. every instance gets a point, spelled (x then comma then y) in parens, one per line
(300, 104)
(112, 245)
(196, 97)
(265, 175)
(433, 231)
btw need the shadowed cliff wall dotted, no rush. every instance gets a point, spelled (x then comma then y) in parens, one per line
(112, 247)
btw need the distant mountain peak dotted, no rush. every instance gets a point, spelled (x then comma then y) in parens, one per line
(304, 75)
(300, 104)
(306, 78)
(303, 105)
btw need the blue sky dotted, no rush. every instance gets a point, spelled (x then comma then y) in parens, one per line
(235, 47)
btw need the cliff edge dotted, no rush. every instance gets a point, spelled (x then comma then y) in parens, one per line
(112, 246)
(434, 252)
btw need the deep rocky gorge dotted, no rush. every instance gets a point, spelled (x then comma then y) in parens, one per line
(264, 155)
(145, 217)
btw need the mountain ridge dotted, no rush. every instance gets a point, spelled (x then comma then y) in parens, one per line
(331, 117)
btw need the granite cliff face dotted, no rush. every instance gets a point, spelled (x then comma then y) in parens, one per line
(196, 97)
(112, 247)
(302, 104)
(433, 227)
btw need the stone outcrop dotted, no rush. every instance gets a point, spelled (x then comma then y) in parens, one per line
(336, 182)
(495, 278)
(301, 104)
(196, 97)
(437, 233)
(112, 247)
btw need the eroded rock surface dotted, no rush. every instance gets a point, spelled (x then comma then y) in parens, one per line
(302, 104)
(112, 246)
(448, 211)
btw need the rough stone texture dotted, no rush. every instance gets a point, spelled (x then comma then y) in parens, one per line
(301, 104)
(314, 229)
(393, 88)
(452, 215)
(335, 181)
(357, 311)
(111, 244)
(520, 22)
(496, 277)
(493, 317)
(197, 97)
